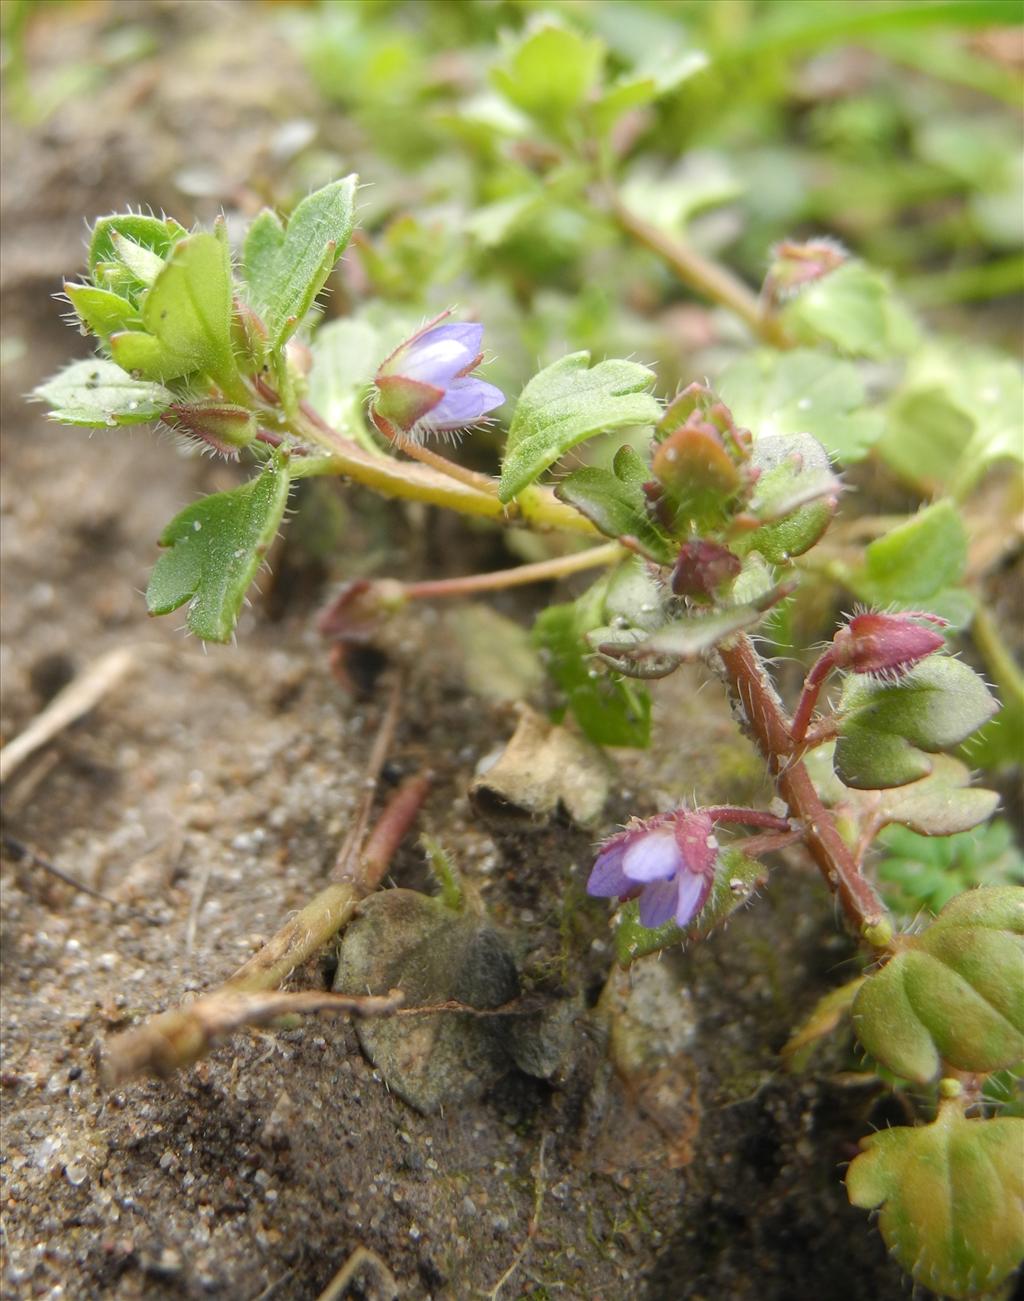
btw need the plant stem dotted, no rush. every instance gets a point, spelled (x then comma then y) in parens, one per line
(767, 724)
(472, 478)
(542, 571)
(709, 279)
(538, 507)
(820, 670)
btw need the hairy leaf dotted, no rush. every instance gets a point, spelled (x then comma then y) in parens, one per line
(286, 267)
(187, 315)
(884, 726)
(566, 403)
(952, 993)
(214, 550)
(614, 501)
(97, 393)
(950, 1195)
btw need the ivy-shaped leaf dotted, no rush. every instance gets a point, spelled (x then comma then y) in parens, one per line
(885, 726)
(285, 267)
(566, 403)
(938, 805)
(950, 1195)
(795, 495)
(802, 392)
(915, 560)
(610, 710)
(737, 877)
(97, 393)
(551, 73)
(854, 309)
(952, 993)
(214, 550)
(614, 501)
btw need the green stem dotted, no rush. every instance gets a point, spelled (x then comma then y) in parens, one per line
(709, 279)
(537, 507)
(541, 571)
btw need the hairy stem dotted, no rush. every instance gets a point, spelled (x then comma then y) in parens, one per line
(767, 724)
(537, 507)
(709, 279)
(542, 571)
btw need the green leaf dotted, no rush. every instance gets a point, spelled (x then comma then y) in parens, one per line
(914, 560)
(950, 1194)
(96, 393)
(927, 871)
(214, 550)
(285, 268)
(143, 263)
(853, 309)
(614, 501)
(737, 877)
(688, 638)
(952, 993)
(566, 403)
(346, 354)
(101, 311)
(155, 234)
(551, 73)
(644, 85)
(939, 804)
(795, 495)
(956, 414)
(609, 710)
(884, 726)
(802, 392)
(187, 314)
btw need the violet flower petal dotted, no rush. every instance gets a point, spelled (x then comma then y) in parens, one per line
(658, 903)
(434, 361)
(464, 403)
(691, 894)
(653, 856)
(468, 334)
(607, 879)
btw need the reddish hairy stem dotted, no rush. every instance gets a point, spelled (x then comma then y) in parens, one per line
(767, 724)
(748, 817)
(809, 696)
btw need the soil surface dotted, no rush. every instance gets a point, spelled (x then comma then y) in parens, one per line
(665, 1156)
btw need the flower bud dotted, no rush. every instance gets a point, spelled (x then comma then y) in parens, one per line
(222, 425)
(702, 567)
(886, 643)
(796, 265)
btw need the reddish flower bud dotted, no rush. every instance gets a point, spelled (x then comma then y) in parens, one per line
(702, 567)
(886, 643)
(795, 265)
(221, 425)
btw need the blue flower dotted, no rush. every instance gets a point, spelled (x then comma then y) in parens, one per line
(425, 387)
(668, 860)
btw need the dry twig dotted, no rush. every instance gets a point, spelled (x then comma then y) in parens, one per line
(82, 694)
